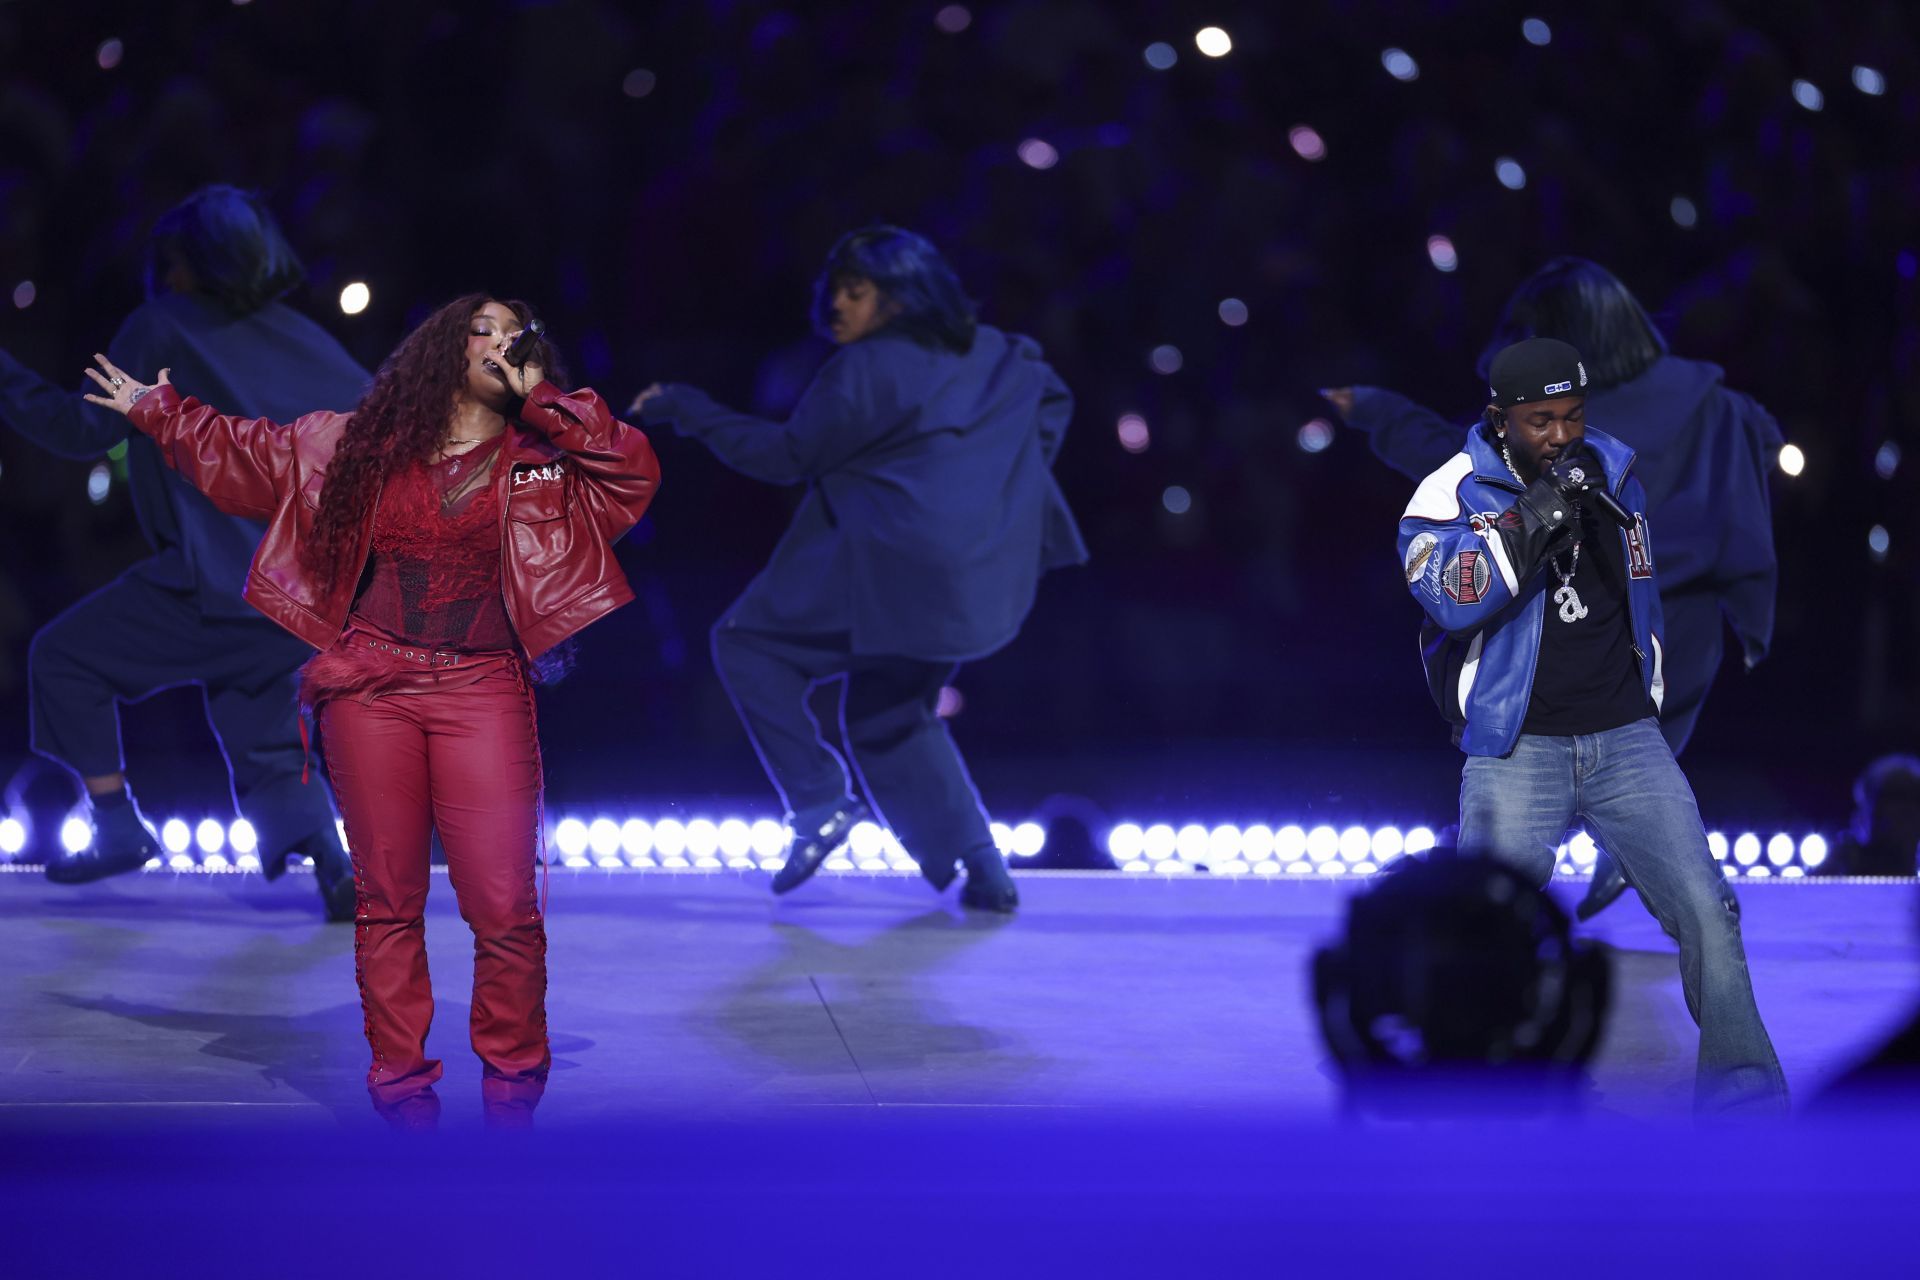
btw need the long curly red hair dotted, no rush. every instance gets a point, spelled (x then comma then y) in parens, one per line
(401, 420)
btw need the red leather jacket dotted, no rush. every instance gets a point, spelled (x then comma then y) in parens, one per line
(571, 481)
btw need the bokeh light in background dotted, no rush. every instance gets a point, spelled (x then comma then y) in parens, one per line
(1160, 55)
(1683, 212)
(1315, 435)
(1213, 42)
(1869, 81)
(355, 298)
(1165, 358)
(1878, 541)
(23, 294)
(1440, 252)
(1792, 460)
(1510, 173)
(1307, 142)
(1176, 499)
(1886, 460)
(1808, 95)
(109, 54)
(1038, 153)
(1133, 433)
(1233, 312)
(639, 83)
(1400, 64)
(1536, 31)
(953, 19)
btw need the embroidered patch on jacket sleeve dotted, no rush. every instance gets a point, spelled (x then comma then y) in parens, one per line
(1419, 551)
(1639, 557)
(1467, 578)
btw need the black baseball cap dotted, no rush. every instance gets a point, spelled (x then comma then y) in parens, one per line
(1536, 369)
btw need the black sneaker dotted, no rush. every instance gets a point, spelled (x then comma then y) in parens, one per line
(1607, 885)
(333, 871)
(822, 835)
(989, 887)
(122, 842)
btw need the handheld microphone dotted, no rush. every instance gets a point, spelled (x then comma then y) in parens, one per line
(521, 349)
(1611, 505)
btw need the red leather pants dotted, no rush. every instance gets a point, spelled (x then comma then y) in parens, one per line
(466, 760)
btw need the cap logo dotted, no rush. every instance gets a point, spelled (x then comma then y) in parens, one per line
(1583, 371)
(1555, 388)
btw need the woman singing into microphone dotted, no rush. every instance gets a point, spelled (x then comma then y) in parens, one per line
(433, 544)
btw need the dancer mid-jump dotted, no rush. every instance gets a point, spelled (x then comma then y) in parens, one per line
(926, 445)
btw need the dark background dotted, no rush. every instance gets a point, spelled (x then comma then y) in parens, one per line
(1251, 658)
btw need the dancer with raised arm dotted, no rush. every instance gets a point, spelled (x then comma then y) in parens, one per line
(926, 446)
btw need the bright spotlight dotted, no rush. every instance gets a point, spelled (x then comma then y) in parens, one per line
(1746, 850)
(1157, 842)
(603, 837)
(175, 835)
(1002, 837)
(703, 838)
(736, 838)
(241, 837)
(1029, 838)
(13, 836)
(1388, 844)
(99, 483)
(1355, 844)
(1125, 842)
(1191, 843)
(1290, 843)
(570, 837)
(1213, 42)
(1323, 844)
(1813, 851)
(1582, 850)
(76, 833)
(1256, 843)
(1223, 843)
(1793, 460)
(1869, 81)
(210, 836)
(1717, 845)
(670, 837)
(1419, 840)
(636, 837)
(1780, 850)
(355, 297)
(1808, 95)
(769, 838)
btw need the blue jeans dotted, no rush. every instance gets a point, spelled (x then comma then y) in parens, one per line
(1635, 801)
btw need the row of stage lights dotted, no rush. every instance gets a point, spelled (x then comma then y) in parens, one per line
(760, 844)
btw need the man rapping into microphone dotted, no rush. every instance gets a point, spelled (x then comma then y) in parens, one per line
(1542, 644)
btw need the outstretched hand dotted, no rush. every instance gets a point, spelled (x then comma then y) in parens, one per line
(646, 394)
(121, 388)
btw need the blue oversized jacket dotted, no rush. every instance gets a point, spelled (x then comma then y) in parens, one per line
(931, 509)
(1481, 639)
(272, 363)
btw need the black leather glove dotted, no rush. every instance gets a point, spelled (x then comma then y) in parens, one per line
(1539, 516)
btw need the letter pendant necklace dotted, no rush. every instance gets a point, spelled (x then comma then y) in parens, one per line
(1571, 610)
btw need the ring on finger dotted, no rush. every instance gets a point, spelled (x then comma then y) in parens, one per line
(118, 382)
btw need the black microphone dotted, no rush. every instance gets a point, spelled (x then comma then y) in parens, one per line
(1611, 505)
(521, 349)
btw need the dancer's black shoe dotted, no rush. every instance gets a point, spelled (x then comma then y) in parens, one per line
(1607, 885)
(816, 835)
(333, 869)
(122, 842)
(989, 887)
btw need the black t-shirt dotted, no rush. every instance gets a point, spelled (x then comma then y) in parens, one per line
(1588, 678)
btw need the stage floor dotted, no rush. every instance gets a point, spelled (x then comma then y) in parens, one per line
(205, 998)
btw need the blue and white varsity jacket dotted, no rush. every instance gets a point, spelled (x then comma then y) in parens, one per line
(1462, 542)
